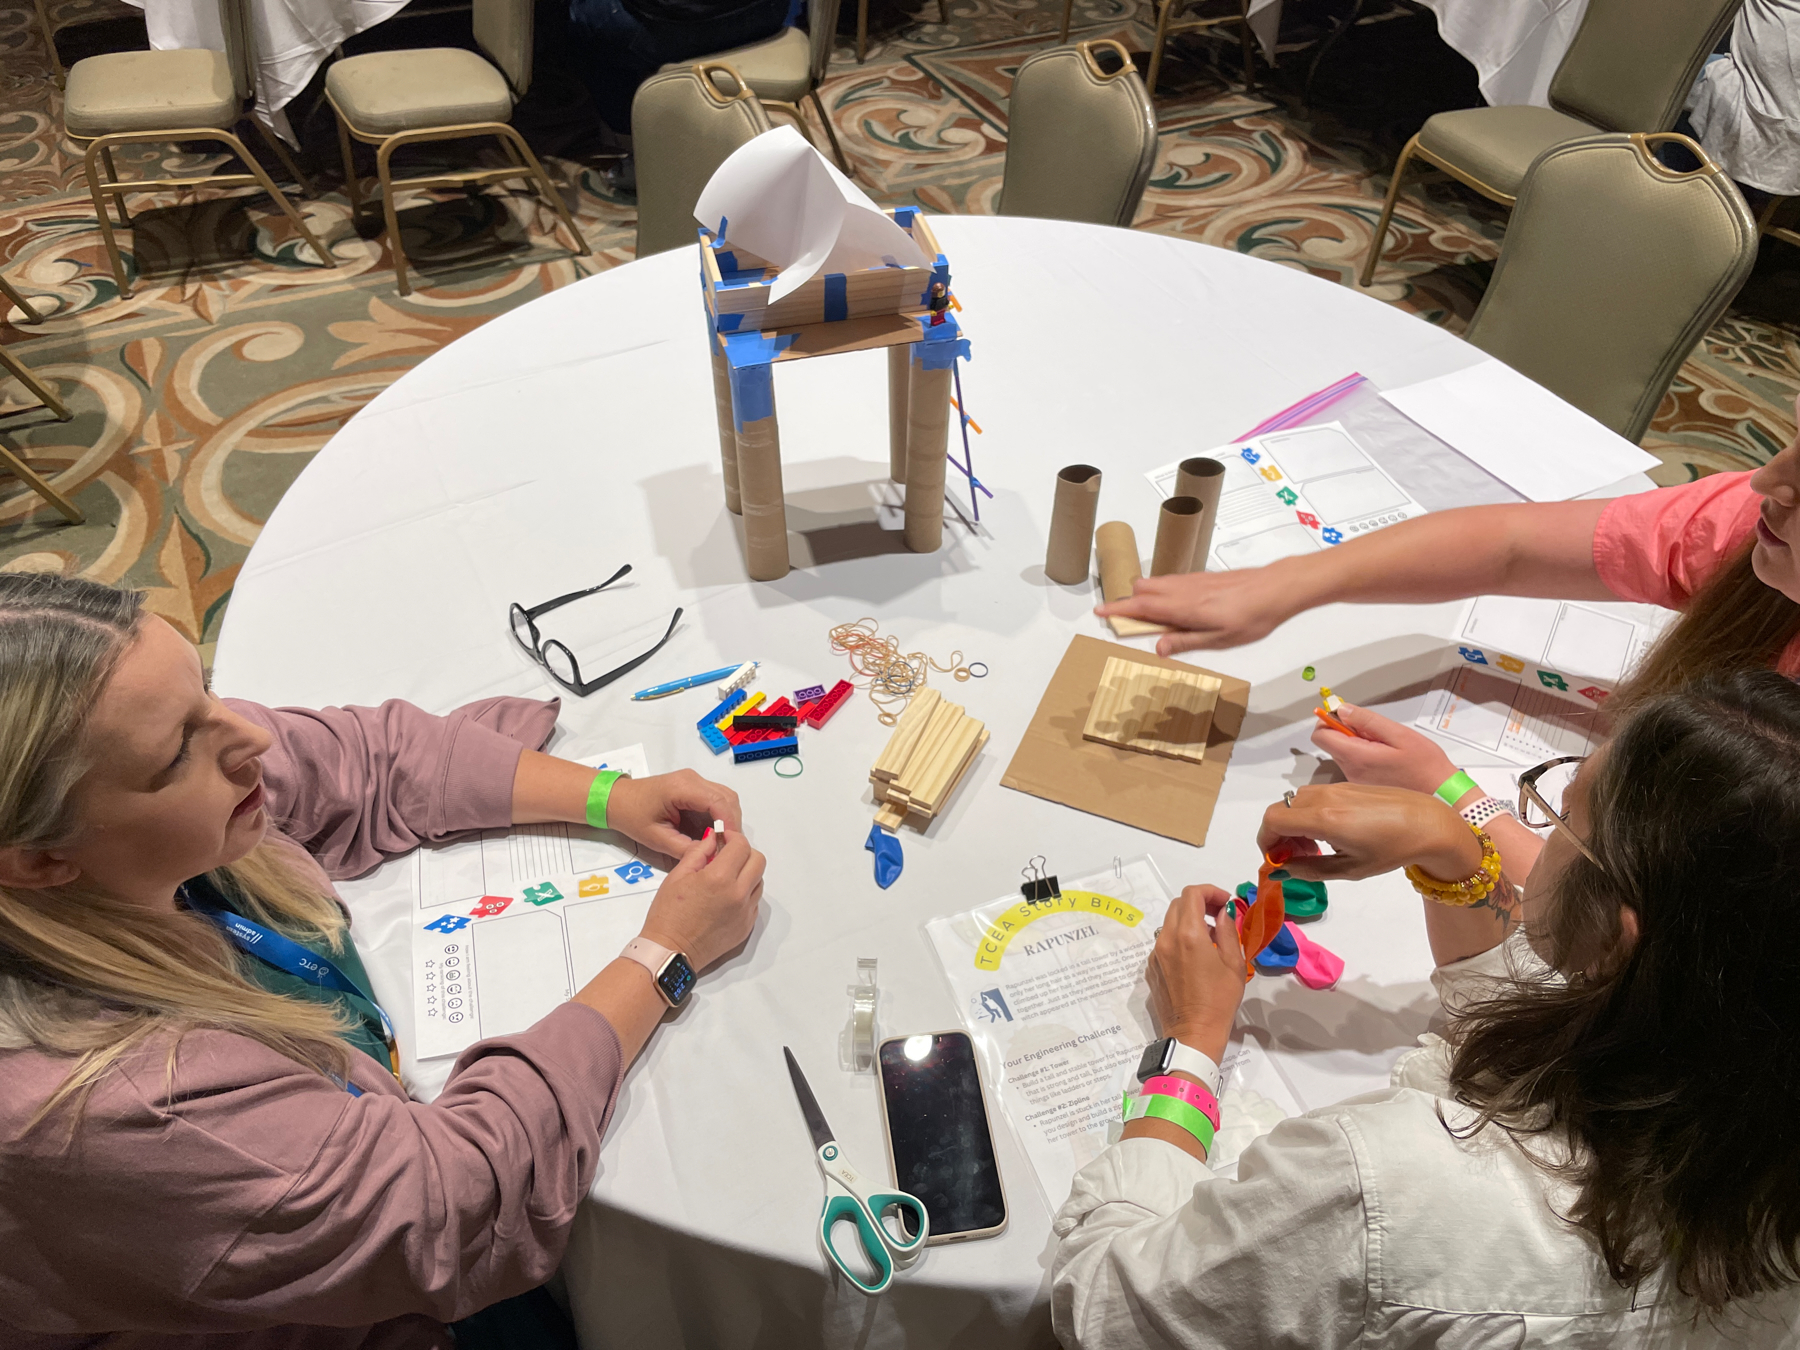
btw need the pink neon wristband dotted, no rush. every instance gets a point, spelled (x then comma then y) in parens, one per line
(1191, 1093)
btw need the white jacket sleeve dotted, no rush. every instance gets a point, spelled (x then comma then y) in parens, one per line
(1157, 1251)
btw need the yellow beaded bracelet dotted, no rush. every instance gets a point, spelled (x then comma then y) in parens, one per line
(1471, 889)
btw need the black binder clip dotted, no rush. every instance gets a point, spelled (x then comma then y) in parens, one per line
(1039, 889)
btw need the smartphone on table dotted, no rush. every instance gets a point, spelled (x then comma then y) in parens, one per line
(939, 1143)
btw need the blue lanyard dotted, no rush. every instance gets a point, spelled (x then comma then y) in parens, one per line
(282, 952)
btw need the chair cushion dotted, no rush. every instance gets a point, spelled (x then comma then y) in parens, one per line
(778, 67)
(386, 92)
(150, 91)
(1497, 145)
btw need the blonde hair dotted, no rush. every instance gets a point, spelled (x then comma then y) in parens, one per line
(86, 975)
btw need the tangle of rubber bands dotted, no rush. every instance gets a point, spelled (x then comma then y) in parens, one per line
(894, 676)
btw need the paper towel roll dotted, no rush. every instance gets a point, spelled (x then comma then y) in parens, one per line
(1177, 527)
(1072, 524)
(1119, 564)
(1202, 478)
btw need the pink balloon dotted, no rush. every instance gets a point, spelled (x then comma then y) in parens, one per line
(1317, 968)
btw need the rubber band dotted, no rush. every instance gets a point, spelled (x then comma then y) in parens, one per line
(961, 673)
(971, 669)
(783, 760)
(893, 676)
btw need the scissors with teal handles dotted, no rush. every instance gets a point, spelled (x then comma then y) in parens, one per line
(849, 1195)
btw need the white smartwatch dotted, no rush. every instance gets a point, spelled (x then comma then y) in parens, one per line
(670, 969)
(1171, 1056)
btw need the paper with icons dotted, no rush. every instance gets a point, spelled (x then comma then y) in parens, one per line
(509, 924)
(780, 199)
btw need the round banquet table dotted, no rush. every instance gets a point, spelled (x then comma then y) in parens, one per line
(535, 455)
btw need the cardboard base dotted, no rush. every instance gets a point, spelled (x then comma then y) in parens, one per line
(1165, 796)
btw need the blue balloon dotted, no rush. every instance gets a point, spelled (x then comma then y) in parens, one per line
(888, 859)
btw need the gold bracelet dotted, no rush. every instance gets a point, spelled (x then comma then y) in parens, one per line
(1472, 889)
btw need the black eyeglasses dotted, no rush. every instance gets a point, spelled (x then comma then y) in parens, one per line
(558, 659)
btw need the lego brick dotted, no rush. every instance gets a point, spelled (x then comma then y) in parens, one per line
(766, 721)
(753, 701)
(731, 701)
(715, 740)
(821, 711)
(739, 678)
(808, 694)
(739, 734)
(785, 745)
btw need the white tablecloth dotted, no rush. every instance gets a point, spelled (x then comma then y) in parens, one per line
(291, 39)
(560, 440)
(1514, 45)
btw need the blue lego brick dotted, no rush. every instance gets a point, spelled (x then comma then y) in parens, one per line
(715, 740)
(737, 697)
(750, 750)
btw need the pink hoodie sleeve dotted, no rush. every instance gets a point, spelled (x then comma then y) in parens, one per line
(1660, 547)
(355, 786)
(294, 1202)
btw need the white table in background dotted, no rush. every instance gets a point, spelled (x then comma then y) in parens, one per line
(291, 38)
(576, 433)
(1514, 45)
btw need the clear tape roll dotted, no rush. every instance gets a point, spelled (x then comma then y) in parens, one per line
(856, 1043)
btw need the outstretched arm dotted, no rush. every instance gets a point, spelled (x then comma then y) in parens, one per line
(1533, 548)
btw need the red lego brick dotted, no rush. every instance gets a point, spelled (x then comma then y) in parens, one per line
(817, 713)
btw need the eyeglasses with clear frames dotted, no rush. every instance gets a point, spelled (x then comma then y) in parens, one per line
(1530, 796)
(557, 659)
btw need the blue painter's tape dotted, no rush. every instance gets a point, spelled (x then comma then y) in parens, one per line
(728, 323)
(720, 236)
(837, 297)
(905, 215)
(727, 260)
(752, 394)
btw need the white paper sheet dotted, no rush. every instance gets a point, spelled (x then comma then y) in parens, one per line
(1295, 491)
(1520, 432)
(516, 920)
(1597, 640)
(783, 201)
(1054, 997)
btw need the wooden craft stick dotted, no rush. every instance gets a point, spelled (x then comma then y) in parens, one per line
(906, 732)
(935, 784)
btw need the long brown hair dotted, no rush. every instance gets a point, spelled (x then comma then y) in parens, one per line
(83, 974)
(1671, 1067)
(1735, 621)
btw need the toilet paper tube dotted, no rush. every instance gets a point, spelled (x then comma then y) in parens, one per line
(1072, 524)
(1119, 565)
(1177, 527)
(1202, 478)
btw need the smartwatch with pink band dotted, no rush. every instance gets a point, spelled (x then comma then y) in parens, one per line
(670, 969)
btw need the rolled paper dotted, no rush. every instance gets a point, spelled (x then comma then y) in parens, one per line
(1203, 478)
(1066, 560)
(927, 436)
(1177, 526)
(1119, 564)
(899, 414)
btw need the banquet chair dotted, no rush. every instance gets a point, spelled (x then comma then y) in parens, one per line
(862, 26)
(1629, 68)
(786, 68)
(1080, 140)
(130, 98)
(1613, 267)
(40, 391)
(688, 121)
(423, 94)
(1167, 26)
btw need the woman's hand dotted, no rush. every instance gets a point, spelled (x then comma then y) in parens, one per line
(1371, 830)
(649, 809)
(1196, 972)
(1383, 752)
(707, 904)
(1213, 609)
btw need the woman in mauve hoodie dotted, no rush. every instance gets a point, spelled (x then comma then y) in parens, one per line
(198, 1147)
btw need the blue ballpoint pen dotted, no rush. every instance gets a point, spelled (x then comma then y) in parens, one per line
(676, 686)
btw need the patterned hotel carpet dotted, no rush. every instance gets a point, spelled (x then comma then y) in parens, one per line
(199, 399)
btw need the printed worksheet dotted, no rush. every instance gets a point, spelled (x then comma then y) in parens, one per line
(1521, 712)
(496, 862)
(1290, 492)
(1053, 994)
(1597, 640)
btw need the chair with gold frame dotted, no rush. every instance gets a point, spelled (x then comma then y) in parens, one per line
(1614, 266)
(686, 123)
(788, 67)
(425, 94)
(1167, 26)
(1629, 68)
(1080, 140)
(133, 98)
(40, 391)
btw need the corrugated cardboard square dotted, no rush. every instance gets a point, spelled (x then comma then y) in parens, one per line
(1165, 796)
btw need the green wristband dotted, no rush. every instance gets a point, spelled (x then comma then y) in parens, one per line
(599, 793)
(1176, 1112)
(1453, 788)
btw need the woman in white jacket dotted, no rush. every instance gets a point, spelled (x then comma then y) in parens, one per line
(1602, 1148)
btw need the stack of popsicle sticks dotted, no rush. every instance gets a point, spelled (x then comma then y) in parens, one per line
(1153, 710)
(933, 744)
